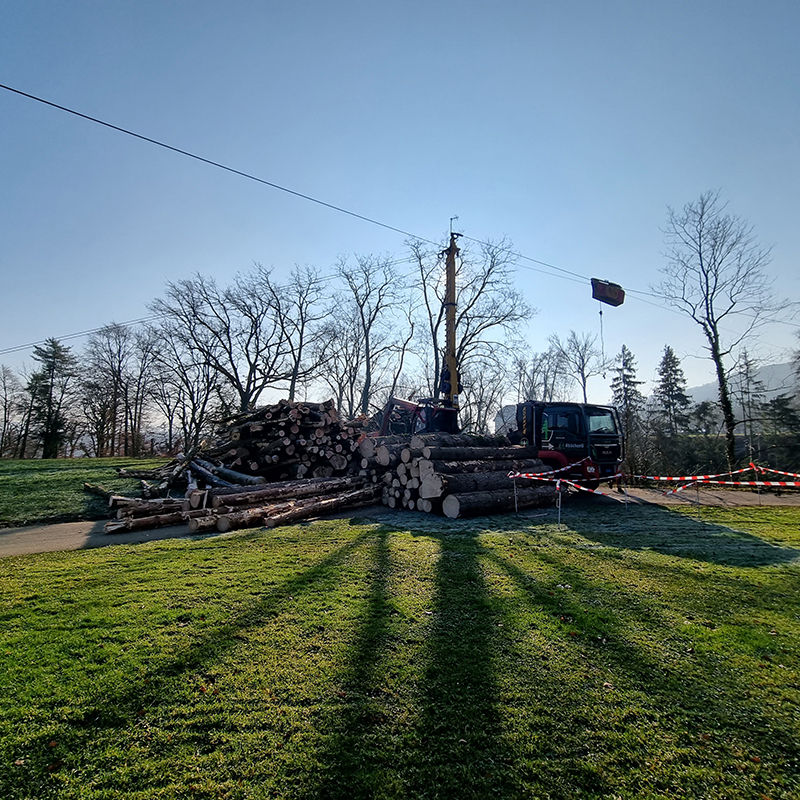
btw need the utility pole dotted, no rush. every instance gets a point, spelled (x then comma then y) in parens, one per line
(450, 377)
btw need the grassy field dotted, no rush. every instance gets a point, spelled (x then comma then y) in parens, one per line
(52, 491)
(626, 654)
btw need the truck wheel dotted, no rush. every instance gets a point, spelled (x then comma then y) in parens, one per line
(591, 484)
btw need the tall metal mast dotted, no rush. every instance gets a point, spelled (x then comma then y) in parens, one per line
(450, 381)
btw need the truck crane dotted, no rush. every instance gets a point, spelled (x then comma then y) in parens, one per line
(584, 441)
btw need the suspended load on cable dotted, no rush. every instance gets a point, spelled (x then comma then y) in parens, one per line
(606, 292)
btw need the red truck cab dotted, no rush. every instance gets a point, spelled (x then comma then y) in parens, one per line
(587, 438)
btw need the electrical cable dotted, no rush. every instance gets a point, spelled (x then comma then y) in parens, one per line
(573, 276)
(213, 163)
(78, 335)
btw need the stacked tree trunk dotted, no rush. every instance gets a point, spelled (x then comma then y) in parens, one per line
(280, 442)
(291, 461)
(288, 440)
(269, 466)
(230, 508)
(457, 475)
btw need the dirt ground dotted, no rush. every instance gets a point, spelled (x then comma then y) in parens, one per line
(80, 535)
(709, 496)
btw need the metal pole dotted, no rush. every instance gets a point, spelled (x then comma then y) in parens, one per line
(450, 319)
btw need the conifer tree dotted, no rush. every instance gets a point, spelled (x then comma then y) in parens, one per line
(670, 393)
(629, 402)
(50, 388)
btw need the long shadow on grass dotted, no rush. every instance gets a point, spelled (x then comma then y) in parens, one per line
(76, 732)
(447, 744)
(686, 692)
(355, 758)
(462, 753)
(655, 528)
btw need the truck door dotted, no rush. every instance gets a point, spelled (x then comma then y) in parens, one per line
(563, 430)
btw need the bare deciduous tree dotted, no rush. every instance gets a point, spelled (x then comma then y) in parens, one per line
(118, 375)
(298, 310)
(186, 389)
(10, 399)
(372, 295)
(715, 274)
(488, 381)
(235, 331)
(488, 308)
(581, 357)
(541, 376)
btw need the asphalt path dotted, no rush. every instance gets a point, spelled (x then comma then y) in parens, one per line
(78, 536)
(83, 535)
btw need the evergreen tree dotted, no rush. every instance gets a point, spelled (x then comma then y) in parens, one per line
(624, 385)
(670, 393)
(750, 395)
(50, 388)
(630, 403)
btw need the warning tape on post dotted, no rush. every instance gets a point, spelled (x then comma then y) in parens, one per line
(687, 480)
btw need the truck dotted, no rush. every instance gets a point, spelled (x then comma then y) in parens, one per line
(586, 439)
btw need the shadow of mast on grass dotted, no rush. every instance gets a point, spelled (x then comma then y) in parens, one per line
(447, 743)
(77, 732)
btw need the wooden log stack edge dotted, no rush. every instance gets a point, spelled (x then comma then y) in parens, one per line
(291, 461)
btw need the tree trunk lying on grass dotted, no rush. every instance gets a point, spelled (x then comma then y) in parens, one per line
(153, 521)
(476, 504)
(437, 485)
(427, 467)
(236, 478)
(320, 486)
(293, 440)
(478, 453)
(457, 440)
(282, 513)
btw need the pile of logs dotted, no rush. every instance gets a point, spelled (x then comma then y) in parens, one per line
(231, 508)
(457, 475)
(291, 461)
(288, 440)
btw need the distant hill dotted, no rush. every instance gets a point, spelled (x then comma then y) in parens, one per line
(777, 378)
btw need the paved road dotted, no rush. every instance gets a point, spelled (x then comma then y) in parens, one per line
(80, 535)
(75, 536)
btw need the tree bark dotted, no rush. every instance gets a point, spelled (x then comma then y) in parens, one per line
(439, 485)
(427, 467)
(456, 506)
(478, 453)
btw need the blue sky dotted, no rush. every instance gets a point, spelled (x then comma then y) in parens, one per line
(568, 127)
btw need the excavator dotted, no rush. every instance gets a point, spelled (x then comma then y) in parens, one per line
(584, 442)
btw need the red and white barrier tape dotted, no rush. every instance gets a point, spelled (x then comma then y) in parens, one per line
(540, 475)
(584, 488)
(774, 471)
(689, 480)
(753, 483)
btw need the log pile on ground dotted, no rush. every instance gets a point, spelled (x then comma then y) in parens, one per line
(269, 466)
(457, 475)
(291, 461)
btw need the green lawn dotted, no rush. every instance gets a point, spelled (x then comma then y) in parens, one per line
(52, 491)
(628, 654)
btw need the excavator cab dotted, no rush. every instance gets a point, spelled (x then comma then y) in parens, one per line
(404, 418)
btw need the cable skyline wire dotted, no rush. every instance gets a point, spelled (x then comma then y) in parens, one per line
(565, 274)
(265, 182)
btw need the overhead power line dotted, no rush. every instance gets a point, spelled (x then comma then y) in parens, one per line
(565, 273)
(18, 348)
(271, 184)
(209, 161)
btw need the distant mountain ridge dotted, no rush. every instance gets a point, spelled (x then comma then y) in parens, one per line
(777, 378)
